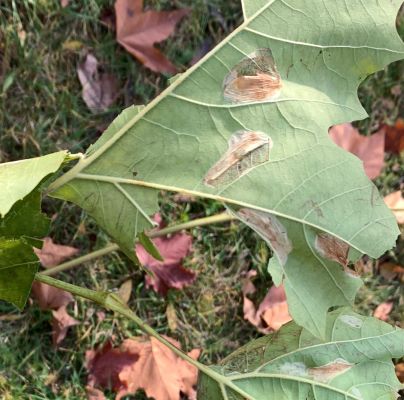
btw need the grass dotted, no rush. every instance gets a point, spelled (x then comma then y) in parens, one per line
(41, 110)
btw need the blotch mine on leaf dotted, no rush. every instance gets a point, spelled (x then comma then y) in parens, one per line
(270, 229)
(332, 248)
(255, 78)
(321, 374)
(352, 321)
(329, 371)
(247, 149)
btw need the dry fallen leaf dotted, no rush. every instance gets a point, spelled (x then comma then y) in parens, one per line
(273, 311)
(395, 137)
(395, 202)
(125, 291)
(61, 322)
(53, 254)
(400, 372)
(49, 297)
(138, 31)
(64, 3)
(370, 149)
(142, 364)
(383, 311)
(390, 271)
(99, 89)
(168, 273)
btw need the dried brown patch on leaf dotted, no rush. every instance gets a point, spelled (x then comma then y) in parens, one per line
(61, 323)
(329, 371)
(321, 374)
(383, 311)
(255, 78)
(272, 313)
(247, 149)
(270, 229)
(138, 31)
(99, 89)
(395, 202)
(53, 254)
(142, 364)
(332, 248)
(370, 149)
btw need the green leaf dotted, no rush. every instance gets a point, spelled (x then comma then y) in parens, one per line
(266, 149)
(19, 178)
(20, 229)
(353, 362)
(18, 266)
(149, 246)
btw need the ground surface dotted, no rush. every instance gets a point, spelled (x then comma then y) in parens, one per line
(41, 110)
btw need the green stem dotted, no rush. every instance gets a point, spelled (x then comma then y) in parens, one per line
(114, 303)
(224, 217)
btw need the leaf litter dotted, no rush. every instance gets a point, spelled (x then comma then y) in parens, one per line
(139, 363)
(51, 298)
(169, 273)
(137, 31)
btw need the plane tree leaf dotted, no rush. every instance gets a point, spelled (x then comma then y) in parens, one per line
(20, 229)
(19, 178)
(248, 126)
(353, 361)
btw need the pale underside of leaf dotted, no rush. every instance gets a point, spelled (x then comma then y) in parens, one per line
(321, 50)
(350, 363)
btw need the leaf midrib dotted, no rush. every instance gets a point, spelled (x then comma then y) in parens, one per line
(157, 186)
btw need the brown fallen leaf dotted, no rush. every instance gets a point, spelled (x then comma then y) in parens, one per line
(125, 291)
(168, 273)
(61, 322)
(94, 394)
(53, 254)
(49, 297)
(390, 271)
(99, 89)
(272, 313)
(395, 202)
(64, 3)
(383, 311)
(395, 137)
(142, 364)
(400, 372)
(370, 149)
(138, 31)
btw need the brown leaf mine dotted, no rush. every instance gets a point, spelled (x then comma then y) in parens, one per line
(246, 150)
(332, 248)
(270, 229)
(255, 78)
(328, 372)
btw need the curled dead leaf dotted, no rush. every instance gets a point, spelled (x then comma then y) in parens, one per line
(99, 89)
